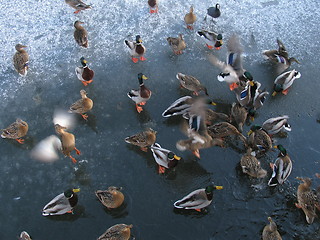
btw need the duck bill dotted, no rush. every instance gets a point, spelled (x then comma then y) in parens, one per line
(274, 93)
(249, 133)
(144, 77)
(219, 187)
(213, 103)
(177, 157)
(75, 190)
(275, 146)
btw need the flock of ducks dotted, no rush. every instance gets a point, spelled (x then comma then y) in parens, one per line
(204, 127)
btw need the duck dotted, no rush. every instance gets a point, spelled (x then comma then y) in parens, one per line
(284, 81)
(117, 232)
(153, 5)
(21, 60)
(78, 5)
(212, 117)
(307, 199)
(239, 115)
(259, 139)
(212, 39)
(68, 142)
(225, 129)
(136, 49)
(80, 34)
(82, 106)
(62, 204)
(177, 44)
(280, 56)
(251, 166)
(197, 199)
(190, 18)
(142, 139)
(281, 168)
(274, 125)
(214, 12)
(191, 83)
(24, 236)
(243, 94)
(259, 99)
(16, 130)
(270, 231)
(165, 158)
(84, 73)
(141, 96)
(110, 198)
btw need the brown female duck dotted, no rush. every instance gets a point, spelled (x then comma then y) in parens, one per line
(117, 232)
(82, 106)
(16, 130)
(143, 139)
(110, 198)
(177, 44)
(80, 34)
(21, 60)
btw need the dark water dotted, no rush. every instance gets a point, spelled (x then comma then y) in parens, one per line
(240, 210)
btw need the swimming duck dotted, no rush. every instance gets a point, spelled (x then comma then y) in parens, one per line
(191, 83)
(212, 39)
(307, 199)
(177, 44)
(21, 60)
(136, 49)
(80, 34)
(164, 157)
(16, 130)
(82, 106)
(259, 139)
(24, 236)
(110, 198)
(197, 199)
(190, 18)
(280, 56)
(274, 125)
(84, 73)
(214, 12)
(143, 139)
(153, 4)
(68, 142)
(284, 81)
(117, 232)
(141, 96)
(78, 5)
(239, 115)
(281, 168)
(251, 166)
(62, 204)
(270, 231)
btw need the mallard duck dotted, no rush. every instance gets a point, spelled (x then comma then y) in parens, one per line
(197, 199)
(211, 116)
(274, 125)
(117, 232)
(82, 106)
(259, 139)
(212, 39)
(136, 49)
(16, 130)
(68, 142)
(225, 129)
(307, 199)
(24, 236)
(259, 99)
(164, 157)
(190, 18)
(284, 81)
(111, 198)
(84, 73)
(281, 168)
(251, 166)
(78, 5)
(143, 139)
(239, 115)
(191, 83)
(141, 96)
(243, 94)
(280, 56)
(270, 231)
(153, 4)
(80, 34)
(235, 56)
(21, 60)
(177, 44)
(61, 204)
(214, 12)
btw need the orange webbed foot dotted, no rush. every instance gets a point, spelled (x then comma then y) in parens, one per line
(69, 212)
(145, 149)
(217, 48)
(135, 60)
(233, 86)
(85, 116)
(190, 27)
(196, 153)
(285, 92)
(85, 83)
(20, 140)
(208, 46)
(73, 159)
(161, 169)
(77, 151)
(77, 11)
(198, 210)
(142, 103)
(142, 58)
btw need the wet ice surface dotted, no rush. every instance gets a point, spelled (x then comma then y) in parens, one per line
(240, 210)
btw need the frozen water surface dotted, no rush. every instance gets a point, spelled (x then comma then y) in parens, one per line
(240, 210)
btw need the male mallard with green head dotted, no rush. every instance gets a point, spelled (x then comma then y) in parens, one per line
(21, 60)
(80, 34)
(284, 81)
(16, 130)
(165, 158)
(84, 73)
(275, 125)
(117, 232)
(136, 49)
(62, 204)
(142, 139)
(212, 39)
(110, 198)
